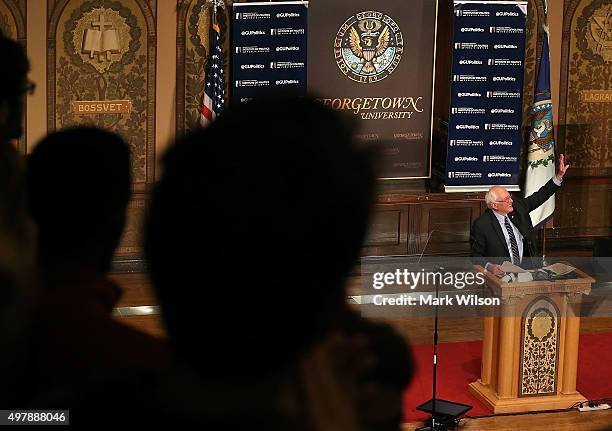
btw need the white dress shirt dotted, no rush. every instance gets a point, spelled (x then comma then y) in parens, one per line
(517, 234)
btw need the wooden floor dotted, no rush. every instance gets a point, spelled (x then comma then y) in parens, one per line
(138, 293)
(567, 421)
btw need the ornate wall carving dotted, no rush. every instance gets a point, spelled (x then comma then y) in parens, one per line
(13, 19)
(585, 119)
(13, 24)
(191, 56)
(539, 349)
(586, 86)
(102, 50)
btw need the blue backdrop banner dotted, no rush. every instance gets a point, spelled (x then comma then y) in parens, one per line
(269, 49)
(484, 131)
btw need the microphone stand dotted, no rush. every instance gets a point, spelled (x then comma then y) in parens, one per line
(434, 426)
(435, 361)
(448, 410)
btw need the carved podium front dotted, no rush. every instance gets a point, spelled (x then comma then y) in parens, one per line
(530, 346)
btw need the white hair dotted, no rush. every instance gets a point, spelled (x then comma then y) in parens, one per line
(491, 196)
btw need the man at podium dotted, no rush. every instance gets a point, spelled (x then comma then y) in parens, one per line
(505, 229)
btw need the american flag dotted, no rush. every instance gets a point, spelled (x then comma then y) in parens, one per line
(214, 88)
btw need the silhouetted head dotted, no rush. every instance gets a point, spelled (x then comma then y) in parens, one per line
(14, 85)
(78, 188)
(16, 238)
(252, 230)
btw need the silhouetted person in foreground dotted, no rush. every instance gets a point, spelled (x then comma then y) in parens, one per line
(79, 185)
(253, 229)
(16, 236)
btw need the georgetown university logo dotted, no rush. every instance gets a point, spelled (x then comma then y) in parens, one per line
(368, 47)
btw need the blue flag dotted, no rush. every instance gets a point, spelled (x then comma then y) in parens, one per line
(541, 151)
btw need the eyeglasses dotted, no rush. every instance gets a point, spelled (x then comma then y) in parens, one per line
(507, 199)
(29, 88)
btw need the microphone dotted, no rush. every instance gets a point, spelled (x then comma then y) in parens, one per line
(425, 247)
(429, 237)
(437, 267)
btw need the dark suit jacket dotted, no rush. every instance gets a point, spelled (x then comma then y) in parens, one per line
(487, 239)
(76, 339)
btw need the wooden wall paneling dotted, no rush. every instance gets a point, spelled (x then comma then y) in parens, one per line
(449, 225)
(416, 237)
(440, 226)
(387, 234)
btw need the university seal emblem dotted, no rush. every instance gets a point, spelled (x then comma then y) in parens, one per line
(368, 47)
(541, 142)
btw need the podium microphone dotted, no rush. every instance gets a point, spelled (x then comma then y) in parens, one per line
(425, 246)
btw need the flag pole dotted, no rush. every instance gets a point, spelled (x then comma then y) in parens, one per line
(213, 98)
(215, 13)
(215, 4)
(544, 263)
(544, 245)
(541, 160)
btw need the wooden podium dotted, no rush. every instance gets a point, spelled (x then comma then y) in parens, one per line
(530, 346)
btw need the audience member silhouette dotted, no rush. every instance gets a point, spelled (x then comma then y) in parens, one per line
(253, 229)
(15, 233)
(79, 185)
(16, 236)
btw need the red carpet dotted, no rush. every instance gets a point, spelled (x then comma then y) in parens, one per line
(459, 365)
